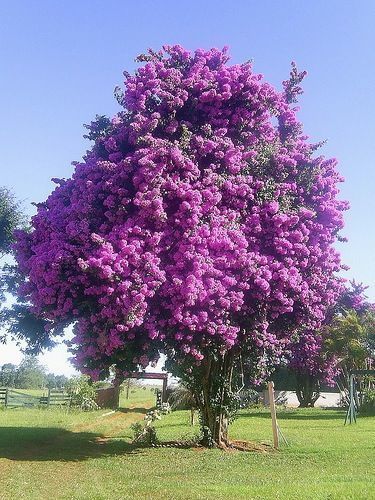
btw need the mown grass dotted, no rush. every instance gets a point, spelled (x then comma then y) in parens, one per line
(72, 455)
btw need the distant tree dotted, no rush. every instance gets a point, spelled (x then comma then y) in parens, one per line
(61, 381)
(8, 375)
(10, 218)
(56, 381)
(17, 320)
(51, 380)
(351, 340)
(368, 320)
(30, 374)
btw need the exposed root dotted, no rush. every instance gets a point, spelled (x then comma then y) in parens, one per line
(178, 444)
(231, 446)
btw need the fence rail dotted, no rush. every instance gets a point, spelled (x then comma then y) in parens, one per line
(11, 398)
(58, 398)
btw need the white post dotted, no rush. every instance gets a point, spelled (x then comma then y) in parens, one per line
(273, 415)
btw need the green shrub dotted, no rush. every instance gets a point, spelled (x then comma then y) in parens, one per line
(82, 393)
(368, 405)
(145, 433)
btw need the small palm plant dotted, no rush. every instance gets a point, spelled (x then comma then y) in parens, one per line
(181, 398)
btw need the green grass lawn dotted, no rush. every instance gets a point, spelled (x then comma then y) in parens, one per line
(52, 453)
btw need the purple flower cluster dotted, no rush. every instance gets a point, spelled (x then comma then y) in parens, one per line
(199, 220)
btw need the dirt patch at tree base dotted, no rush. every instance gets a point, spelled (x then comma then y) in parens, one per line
(250, 446)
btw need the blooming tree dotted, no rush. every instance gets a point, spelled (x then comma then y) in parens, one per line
(326, 356)
(200, 225)
(313, 366)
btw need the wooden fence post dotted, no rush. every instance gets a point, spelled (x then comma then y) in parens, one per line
(275, 433)
(6, 397)
(164, 392)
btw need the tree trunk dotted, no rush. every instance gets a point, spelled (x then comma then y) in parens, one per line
(213, 401)
(307, 390)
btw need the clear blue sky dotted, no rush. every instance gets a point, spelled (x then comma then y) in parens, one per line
(60, 61)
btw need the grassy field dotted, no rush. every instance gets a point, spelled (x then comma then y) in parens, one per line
(72, 455)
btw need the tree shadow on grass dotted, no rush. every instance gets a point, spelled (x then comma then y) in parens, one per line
(53, 443)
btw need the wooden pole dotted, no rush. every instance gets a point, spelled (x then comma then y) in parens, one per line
(273, 415)
(164, 393)
(192, 414)
(127, 389)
